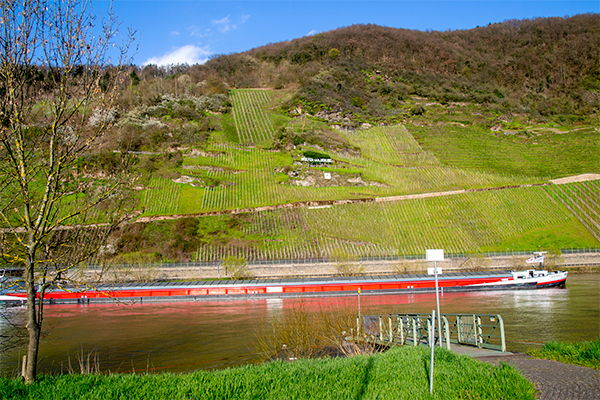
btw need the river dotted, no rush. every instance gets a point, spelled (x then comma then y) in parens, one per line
(187, 336)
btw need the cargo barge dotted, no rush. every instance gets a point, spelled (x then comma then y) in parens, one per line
(301, 287)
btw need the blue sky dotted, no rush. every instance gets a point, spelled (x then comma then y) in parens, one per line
(189, 31)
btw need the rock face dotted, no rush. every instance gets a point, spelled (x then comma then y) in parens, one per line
(335, 117)
(184, 179)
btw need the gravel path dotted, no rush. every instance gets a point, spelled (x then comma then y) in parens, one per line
(554, 380)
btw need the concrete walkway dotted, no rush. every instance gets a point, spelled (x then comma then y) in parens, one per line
(553, 380)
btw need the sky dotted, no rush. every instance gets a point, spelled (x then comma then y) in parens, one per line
(190, 31)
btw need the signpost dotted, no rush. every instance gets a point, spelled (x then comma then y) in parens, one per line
(435, 255)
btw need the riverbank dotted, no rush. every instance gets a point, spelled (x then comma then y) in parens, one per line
(401, 373)
(302, 268)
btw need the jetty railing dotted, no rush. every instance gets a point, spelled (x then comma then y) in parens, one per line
(479, 330)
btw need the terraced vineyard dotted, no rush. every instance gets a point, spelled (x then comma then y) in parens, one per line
(251, 122)
(582, 199)
(161, 197)
(463, 223)
(392, 145)
(518, 213)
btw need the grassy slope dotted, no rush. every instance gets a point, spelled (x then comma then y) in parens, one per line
(551, 155)
(401, 373)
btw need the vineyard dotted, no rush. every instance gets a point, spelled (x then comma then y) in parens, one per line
(227, 176)
(582, 199)
(528, 152)
(464, 223)
(251, 122)
(523, 212)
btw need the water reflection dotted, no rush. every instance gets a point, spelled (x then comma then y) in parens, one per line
(198, 335)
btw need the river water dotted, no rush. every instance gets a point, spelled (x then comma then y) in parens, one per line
(187, 336)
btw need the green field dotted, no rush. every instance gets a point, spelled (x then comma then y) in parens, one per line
(504, 198)
(401, 373)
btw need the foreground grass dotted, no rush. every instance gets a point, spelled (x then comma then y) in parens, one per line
(401, 373)
(586, 354)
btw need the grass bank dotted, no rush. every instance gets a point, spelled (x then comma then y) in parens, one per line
(401, 373)
(586, 354)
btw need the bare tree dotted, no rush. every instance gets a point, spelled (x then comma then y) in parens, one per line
(60, 70)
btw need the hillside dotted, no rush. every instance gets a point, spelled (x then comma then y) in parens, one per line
(247, 193)
(396, 142)
(543, 66)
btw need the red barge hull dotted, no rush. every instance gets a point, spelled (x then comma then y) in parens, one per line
(308, 287)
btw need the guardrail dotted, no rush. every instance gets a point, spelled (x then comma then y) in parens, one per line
(479, 330)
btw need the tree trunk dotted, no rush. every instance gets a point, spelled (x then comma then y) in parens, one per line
(34, 325)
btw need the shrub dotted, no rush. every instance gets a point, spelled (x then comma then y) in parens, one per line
(418, 110)
(357, 101)
(236, 267)
(345, 264)
(315, 154)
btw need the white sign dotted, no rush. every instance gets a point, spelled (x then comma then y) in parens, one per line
(434, 254)
(431, 271)
(274, 289)
(327, 175)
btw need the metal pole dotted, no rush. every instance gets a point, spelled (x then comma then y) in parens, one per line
(431, 344)
(437, 299)
(358, 303)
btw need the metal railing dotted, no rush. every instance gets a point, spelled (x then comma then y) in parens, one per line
(479, 330)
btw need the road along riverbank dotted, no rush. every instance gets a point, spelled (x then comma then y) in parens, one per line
(585, 262)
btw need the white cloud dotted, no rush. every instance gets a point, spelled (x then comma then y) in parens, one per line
(189, 54)
(195, 31)
(226, 24)
(174, 33)
(311, 33)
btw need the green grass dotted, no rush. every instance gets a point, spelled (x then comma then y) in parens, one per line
(546, 155)
(401, 373)
(586, 354)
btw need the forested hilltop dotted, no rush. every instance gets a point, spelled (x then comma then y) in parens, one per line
(542, 66)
